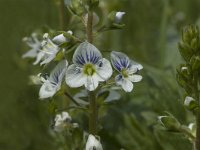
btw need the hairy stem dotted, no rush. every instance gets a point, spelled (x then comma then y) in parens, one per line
(62, 17)
(92, 94)
(89, 27)
(197, 141)
(92, 113)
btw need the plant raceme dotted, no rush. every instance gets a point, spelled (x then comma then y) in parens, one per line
(88, 68)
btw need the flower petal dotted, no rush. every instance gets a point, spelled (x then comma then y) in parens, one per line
(86, 53)
(58, 73)
(75, 77)
(39, 57)
(119, 60)
(48, 58)
(92, 82)
(135, 78)
(47, 90)
(124, 82)
(31, 53)
(134, 67)
(104, 69)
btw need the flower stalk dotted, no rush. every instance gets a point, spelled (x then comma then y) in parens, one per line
(92, 94)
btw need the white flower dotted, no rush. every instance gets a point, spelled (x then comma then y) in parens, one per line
(118, 16)
(89, 68)
(53, 83)
(93, 143)
(48, 52)
(127, 69)
(34, 44)
(60, 39)
(61, 120)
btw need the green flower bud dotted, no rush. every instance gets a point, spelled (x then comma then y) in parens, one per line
(170, 123)
(76, 7)
(185, 51)
(195, 62)
(195, 44)
(189, 33)
(190, 103)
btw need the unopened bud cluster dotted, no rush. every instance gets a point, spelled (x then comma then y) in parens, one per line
(188, 73)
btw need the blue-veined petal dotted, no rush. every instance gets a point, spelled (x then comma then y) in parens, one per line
(104, 69)
(75, 77)
(58, 73)
(86, 53)
(47, 90)
(135, 78)
(126, 84)
(119, 60)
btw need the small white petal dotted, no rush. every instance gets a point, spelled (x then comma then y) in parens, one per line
(31, 53)
(135, 78)
(93, 143)
(125, 83)
(48, 59)
(134, 67)
(92, 82)
(104, 70)
(39, 57)
(75, 77)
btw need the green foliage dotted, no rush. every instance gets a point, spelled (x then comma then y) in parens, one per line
(150, 36)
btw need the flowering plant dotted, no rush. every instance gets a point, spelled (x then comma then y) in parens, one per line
(88, 68)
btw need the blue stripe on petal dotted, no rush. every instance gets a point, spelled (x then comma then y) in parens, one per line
(119, 60)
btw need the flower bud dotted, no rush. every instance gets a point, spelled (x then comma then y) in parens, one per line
(93, 143)
(192, 128)
(189, 33)
(185, 51)
(170, 123)
(62, 38)
(195, 61)
(195, 44)
(190, 103)
(116, 17)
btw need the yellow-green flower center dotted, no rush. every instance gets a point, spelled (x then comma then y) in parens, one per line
(89, 69)
(124, 73)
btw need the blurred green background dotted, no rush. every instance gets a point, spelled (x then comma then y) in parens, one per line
(150, 37)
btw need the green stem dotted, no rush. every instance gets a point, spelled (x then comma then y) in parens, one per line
(197, 141)
(163, 28)
(62, 17)
(93, 114)
(72, 99)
